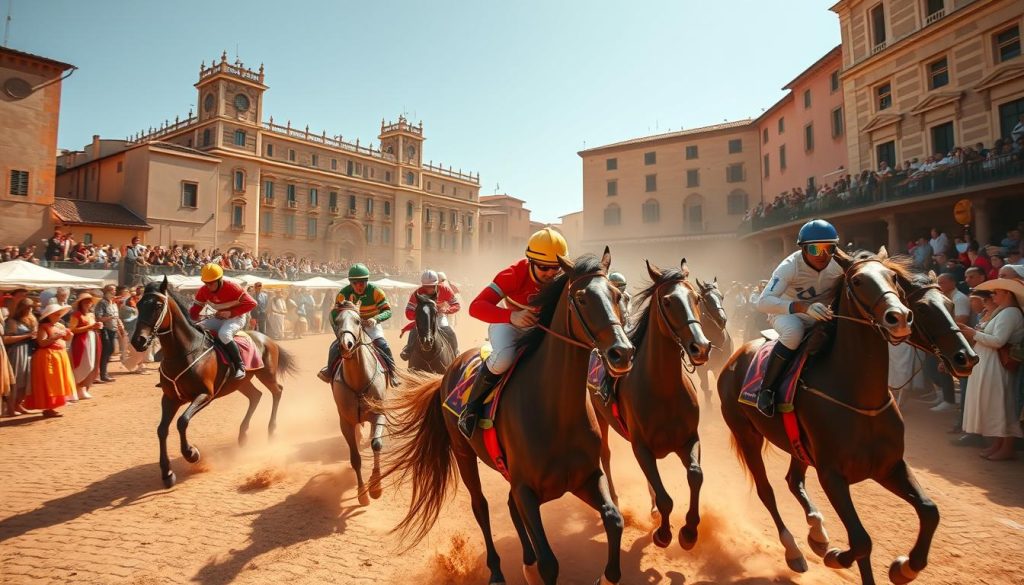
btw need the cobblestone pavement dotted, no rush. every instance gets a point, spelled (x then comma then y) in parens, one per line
(81, 502)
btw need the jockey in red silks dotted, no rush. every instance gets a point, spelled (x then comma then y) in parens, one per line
(231, 305)
(517, 286)
(447, 304)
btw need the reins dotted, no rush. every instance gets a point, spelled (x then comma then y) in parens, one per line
(575, 310)
(156, 332)
(358, 337)
(663, 317)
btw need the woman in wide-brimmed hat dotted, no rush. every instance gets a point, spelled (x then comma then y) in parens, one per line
(85, 346)
(991, 406)
(52, 377)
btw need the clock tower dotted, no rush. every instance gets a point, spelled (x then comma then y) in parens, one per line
(230, 99)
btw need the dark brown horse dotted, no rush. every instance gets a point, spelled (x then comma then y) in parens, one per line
(431, 350)
(714, 322)
(850, 424)
(656, 402)
(545, 424)
(192, 373)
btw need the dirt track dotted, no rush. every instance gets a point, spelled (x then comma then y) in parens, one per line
(82, 503)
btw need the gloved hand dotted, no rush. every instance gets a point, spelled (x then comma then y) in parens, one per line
(819, 312)
(369, 322)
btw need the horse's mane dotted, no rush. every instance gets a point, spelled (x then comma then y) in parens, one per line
(902, 265)
(642, 301)
(182, 304)
(548, 297)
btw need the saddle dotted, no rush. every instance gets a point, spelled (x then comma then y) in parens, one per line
(787, 391)
(252, 358)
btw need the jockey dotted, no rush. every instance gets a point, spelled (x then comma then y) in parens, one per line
(619, 281)
(798, 294)
(374, 310)
(231, 305)
(447, 304)
(517, 285)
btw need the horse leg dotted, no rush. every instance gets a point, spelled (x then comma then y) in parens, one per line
(530, 572)
(349, 432)
(471, 479)
(254, 395)
(838, 492)
(269, 379)
(189, 452)
(695, 479)
(595, 493)
(376, 443)
(901, 481)
(750, 444)
(529, 512)
(606, 458)
(817, 537)
(168, 408)
(663, 534)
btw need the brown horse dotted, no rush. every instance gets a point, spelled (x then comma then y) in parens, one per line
(850, 424)
(657, 403)
(545, 425)
(714, 322)
(191, 372)
(359, 383)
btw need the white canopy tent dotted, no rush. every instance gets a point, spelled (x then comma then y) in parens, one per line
(182, 282)
(396, 284)
(319, 283)
(21, 274)
(268, 283)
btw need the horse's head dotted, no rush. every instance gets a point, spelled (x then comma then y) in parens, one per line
(675, 308)
(153, 308)
(934, 329)
(712, 302)
(426, 321)
(348, 327)
(595, 318)
(870, 287)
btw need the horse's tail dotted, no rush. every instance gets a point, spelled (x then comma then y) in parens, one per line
(286, 365)
(422, 455)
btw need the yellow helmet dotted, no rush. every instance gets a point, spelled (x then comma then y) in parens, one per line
(211, 272)
(546, 246)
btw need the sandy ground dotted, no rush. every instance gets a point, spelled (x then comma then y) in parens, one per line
(81, 502)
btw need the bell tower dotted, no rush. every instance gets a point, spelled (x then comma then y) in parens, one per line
(403, 141)
(230, 91)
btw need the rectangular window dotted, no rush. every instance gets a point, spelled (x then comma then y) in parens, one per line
(290, 192)
(385, 234)
(650, 158)
(239, 180)
(613, 188)
(369, 206)
(691, 152)
(19, 183)
(350, 168)
(270, 150)
(764, 136)
(807, 98)
(886, 152)
(934, 10)
(237, 215)
(1007, 44)
(289, 225)
(883, 96)
(207, 139)
(611, 164)
(833, 81)
(408, 237)
(809, 137)
(877, 18)
(266, 222)
(314, 160)
(352, 202)
(239, 137)
(782, 157)
(189, 194)
(387, 176)
(837, 122)
(612, 215)
(651, 183)
(942, 138)
(332, 200)
(1009, 116)
(938, 73)
(693, 178)
(735, 145)
(314, 198)
(268, 190)
(782, 125)
(387, 209)
(291, 154)
(311, 228)
(734, 173)
(334, 164)
(368, 229)
(766, 166)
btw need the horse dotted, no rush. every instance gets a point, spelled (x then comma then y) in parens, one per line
(358, 385)
(714, 322)
(190, 371)
(547, 429)
(655, 402)
(849, 422)
(431, 350)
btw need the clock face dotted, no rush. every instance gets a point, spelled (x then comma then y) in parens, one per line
(208, 102)
(242, 102)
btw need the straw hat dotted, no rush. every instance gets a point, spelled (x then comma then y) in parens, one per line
(54, 308)
(1014, 286)
(82, 297)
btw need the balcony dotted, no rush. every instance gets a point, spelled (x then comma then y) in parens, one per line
(335, 210)
(428, 225)
(878, 48)
(351, 212)
(268, 201)
(313, 210)
(292, 204)
(935, 16)
(387, 217)
(470, 229)
(457, 227)
(444, 227)
(237, 227)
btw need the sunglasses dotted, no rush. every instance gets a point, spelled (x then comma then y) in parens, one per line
(542, 268)
(820, 249)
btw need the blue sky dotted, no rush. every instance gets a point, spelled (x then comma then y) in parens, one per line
(510, 89)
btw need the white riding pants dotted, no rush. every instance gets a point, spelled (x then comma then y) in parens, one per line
(374, 333)
(225, 328)
(791, 328)
(503, 338)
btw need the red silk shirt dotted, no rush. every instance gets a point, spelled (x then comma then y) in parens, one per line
(515, 285)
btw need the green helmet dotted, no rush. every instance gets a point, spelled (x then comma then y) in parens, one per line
(358, 272)
(617, 278)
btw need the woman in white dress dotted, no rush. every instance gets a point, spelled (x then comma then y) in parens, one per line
(278, 311)
(990, 409)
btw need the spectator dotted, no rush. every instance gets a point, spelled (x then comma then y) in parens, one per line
(278, 312)
(262, 305)
(18, 338)
(922, 253)
(85, 345)
(12, 302)
(107, 315)
(59, 296)
(940, 242)
(52, 376)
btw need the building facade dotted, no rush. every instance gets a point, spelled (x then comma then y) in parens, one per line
(505, 228)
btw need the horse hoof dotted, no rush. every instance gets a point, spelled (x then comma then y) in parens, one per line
(831, 559)
(798, 564)
(662, 540)
(192, 456)
(376, 445)
(169, 479)
(819, 548)
(532, 575)
(374, 488)
(364, 498)
(688, 537)
(900, 572)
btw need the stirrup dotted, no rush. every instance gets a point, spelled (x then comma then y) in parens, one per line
(467, 423)
(239, 373)
(766, 402)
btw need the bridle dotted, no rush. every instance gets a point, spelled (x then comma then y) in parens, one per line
(717, 314)
(667, 323)
(866, 311)
(154, 331)
(929, 341)
(574, 310)
(154, 327)
(358, 342)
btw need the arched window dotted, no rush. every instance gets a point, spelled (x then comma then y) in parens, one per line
(612, 215)
(410, 178)
(651, 211)
(410, 152)
(693, 213)
(738, 202)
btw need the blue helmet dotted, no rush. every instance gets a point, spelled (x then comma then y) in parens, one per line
(817, 231)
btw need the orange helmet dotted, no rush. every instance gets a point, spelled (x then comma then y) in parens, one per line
(546, 246)
(211, 272)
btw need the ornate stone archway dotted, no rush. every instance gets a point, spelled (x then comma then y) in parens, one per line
(347, 241)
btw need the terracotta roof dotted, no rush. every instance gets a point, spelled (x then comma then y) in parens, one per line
(55, 63)
(669, 135)
(75, 212)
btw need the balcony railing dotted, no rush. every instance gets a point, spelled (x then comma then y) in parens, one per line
(935, 16)
(449, 172)
(896, 188)
(324, 139)
(878, 48)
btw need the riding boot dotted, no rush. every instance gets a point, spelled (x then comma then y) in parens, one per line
(389, 361)
(327, 373)
(485, 380)
(778, 363)
(235, 357)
